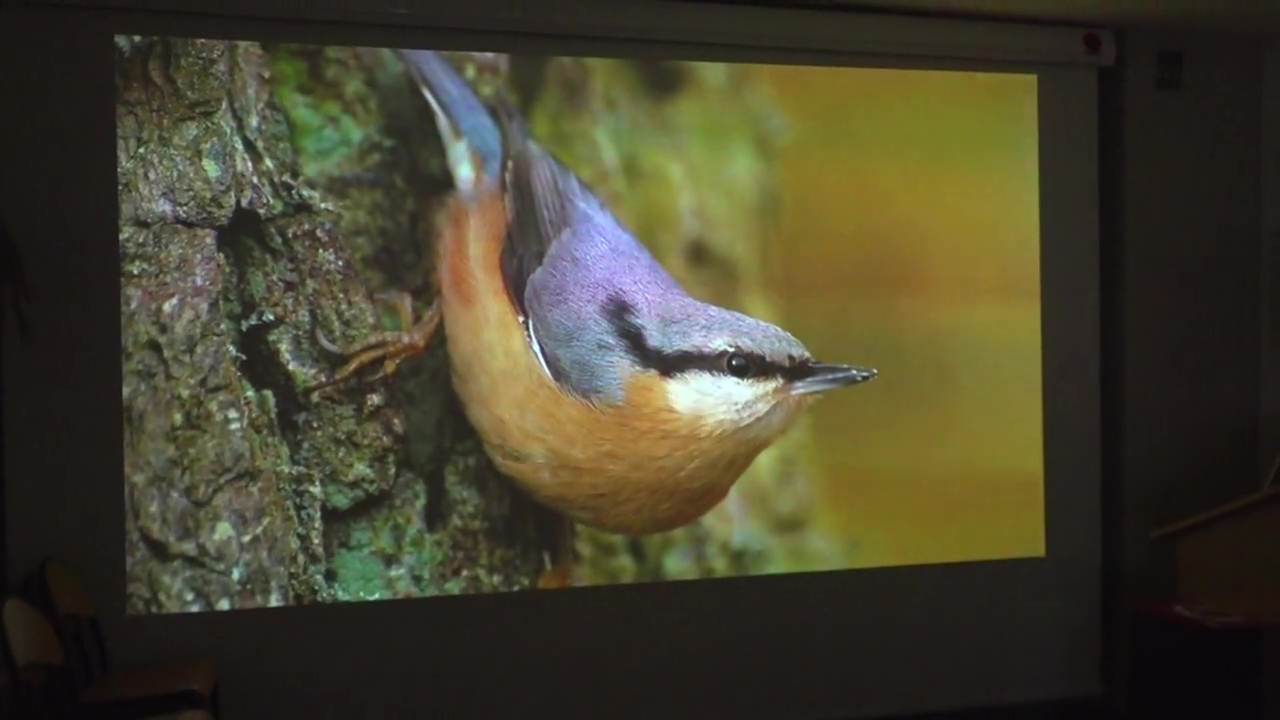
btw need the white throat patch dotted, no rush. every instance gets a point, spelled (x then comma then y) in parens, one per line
(727, 403)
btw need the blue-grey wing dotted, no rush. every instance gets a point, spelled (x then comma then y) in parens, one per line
(549, 268)
(565, 253)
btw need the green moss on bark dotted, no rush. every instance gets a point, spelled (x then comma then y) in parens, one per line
(263, 196)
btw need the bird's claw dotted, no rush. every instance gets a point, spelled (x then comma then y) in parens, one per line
(389, 348)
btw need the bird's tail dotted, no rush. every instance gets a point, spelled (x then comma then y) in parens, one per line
(470, 134)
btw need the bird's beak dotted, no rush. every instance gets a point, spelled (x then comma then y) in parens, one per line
(829, 377)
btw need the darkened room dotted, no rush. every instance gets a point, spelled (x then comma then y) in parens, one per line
(825, 360)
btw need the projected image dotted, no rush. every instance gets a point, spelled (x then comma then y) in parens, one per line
(399, 324)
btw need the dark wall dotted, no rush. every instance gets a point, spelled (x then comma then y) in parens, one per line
(1269, 447)
(1184, 315)
(1191, 302)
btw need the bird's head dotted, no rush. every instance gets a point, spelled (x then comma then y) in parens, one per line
(728, 372)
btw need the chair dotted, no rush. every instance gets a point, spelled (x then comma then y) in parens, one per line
(36, 664)
(161, 688)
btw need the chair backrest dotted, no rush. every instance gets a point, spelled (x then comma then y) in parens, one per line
(29, 637)
(36, 661)
(77, 620)
(65, 591)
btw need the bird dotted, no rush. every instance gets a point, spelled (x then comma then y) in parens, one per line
(594, 381)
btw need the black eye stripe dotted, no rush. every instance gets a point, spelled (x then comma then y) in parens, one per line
(758, 366)
(621, 316)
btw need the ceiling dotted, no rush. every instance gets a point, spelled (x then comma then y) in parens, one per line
(1236, 16)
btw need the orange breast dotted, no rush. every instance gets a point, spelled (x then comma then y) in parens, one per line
(635, 469)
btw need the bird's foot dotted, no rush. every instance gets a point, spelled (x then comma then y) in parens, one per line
(389, 348)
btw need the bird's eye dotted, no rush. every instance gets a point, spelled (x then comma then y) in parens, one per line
(737, 365)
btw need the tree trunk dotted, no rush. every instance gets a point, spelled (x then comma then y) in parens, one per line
(266, 193)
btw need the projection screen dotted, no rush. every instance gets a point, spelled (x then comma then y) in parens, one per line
(301, 432)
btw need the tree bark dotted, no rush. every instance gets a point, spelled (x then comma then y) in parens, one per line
(266, 194)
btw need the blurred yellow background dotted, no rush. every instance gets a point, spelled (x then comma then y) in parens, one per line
(909, 241)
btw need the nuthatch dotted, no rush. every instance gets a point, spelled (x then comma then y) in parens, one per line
(594, 381)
